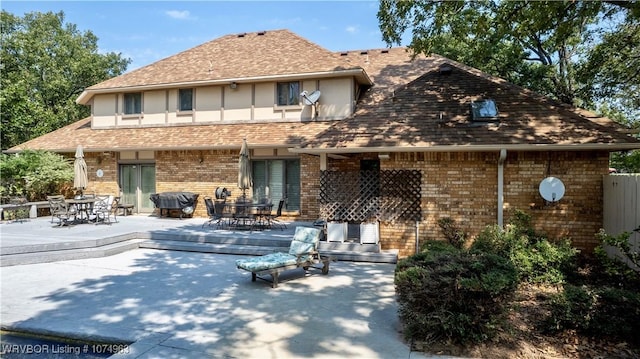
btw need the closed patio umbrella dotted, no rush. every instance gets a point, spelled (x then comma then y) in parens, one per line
(80, 178)
(245, 180)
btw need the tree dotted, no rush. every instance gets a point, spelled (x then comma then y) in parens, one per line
(536, 44)
(35, 174)
(584, 53)
(45, 64)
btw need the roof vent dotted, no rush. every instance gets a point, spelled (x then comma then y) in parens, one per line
(484, 110)
(364, 52)
(384, 51)
(242, 34)
(261, 33)
(445, 69)
(344, 53)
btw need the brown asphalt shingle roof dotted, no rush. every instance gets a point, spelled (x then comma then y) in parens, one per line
(267, 53)
(400, 112)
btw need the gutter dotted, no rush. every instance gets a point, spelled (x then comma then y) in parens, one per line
(501, 159)
(473, 148)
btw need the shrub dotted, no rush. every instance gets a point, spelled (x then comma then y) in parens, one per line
(34, 174)
(454, 235)
(536, 258)
(614, 265)
(598, 311)
(450, 294)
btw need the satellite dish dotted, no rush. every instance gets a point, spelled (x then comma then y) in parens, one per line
(310, 98)
(551, 189)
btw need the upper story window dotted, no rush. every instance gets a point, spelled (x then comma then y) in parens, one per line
(185, 99)
(288, 93)
(133, 103)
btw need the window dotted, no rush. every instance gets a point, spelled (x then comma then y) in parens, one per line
(132, 103)
(185, 98)
(484, 110)
(288, 93)
(277, 179)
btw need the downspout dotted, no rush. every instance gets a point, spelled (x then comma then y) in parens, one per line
(501, 159)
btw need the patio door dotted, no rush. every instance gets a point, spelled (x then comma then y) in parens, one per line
(138, 182)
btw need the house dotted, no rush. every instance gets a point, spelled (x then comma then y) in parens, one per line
(377, 135)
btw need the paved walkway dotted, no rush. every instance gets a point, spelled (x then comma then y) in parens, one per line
(197, 305)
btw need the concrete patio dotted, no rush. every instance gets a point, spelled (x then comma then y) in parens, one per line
(37, 240)
(183, 304)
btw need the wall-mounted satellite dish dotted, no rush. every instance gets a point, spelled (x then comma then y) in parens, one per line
(310, 98)
(551, 189)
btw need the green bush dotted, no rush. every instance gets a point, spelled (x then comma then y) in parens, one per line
(536, 258)
(450, 294)
(597, 311)
(454, 235)
(615, 266)
(34, 174)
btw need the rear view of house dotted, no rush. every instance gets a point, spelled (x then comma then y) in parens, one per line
(354, 136)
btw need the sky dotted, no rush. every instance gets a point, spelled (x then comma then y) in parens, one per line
(147, 31)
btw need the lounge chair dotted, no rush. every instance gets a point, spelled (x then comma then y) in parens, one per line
(303, 252)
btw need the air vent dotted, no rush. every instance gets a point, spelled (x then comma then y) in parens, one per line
(445, 69)
(384, 51)
(261, 33)
(484, 110)
(242, 35)
(364, 52)
(344, 53)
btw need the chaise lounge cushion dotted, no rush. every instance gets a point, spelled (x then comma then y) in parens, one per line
(268, 261)
(304, 243)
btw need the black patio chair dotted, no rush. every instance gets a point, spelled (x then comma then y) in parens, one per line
(215, 214)
(273, 218)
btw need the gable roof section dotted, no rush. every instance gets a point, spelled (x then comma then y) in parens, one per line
(430, 111)
(250, 57)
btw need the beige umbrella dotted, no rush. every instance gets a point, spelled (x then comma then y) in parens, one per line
(80, 178)
(245, 180)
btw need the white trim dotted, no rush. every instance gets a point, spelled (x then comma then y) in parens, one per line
(87, 94)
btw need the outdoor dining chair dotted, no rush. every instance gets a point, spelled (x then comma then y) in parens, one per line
(273, 218)
(214, 212)
(61, 210)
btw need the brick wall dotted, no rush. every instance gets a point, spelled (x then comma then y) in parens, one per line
(459, 185)
(463, 186)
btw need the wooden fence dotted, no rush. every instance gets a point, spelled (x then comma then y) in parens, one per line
(621, 202)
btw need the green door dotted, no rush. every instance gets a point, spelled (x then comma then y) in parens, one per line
(138, 183)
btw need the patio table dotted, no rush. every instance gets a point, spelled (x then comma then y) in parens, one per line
(84, 207)
(249, 215)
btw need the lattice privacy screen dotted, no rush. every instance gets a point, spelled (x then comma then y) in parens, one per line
(362, 196)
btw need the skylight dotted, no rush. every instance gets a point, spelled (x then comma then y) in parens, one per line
(484, 110)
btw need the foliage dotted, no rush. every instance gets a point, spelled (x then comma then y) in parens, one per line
(45, 64)
(34, 174)
(451, 294)
(584, 53)
(536, 258)
(454, 235)
(599, 311)
(616, 265)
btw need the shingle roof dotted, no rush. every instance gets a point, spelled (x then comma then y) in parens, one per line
(229, 136)
(414, 106)
(401, 112)
(249, 55)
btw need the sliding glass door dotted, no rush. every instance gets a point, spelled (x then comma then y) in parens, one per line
(277, 179)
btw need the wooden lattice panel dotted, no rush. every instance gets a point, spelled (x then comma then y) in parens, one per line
(360, 196)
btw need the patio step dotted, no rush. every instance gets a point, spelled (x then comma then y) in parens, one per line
(69, 253)
(341, 253)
